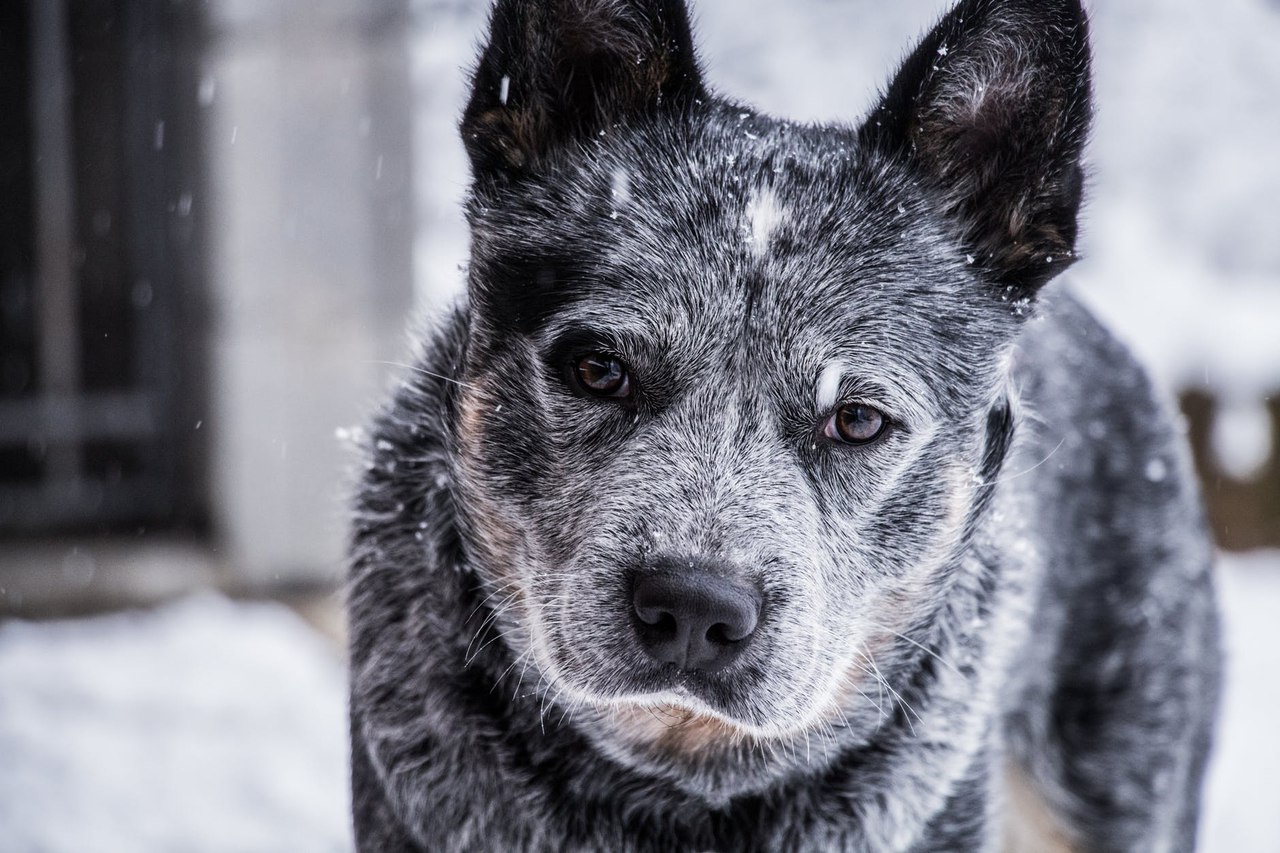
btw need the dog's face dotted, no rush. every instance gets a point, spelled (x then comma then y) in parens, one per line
(735, 388)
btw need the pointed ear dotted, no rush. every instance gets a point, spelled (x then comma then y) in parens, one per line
(560, 70)
(993, 111)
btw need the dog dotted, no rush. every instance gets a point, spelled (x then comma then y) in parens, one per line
(762, 494)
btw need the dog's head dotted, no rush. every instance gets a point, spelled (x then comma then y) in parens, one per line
(736, 387)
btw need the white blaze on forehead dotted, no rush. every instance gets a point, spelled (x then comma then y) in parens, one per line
(621, 186)
(829, 385)
(504, 89)
(763, 216)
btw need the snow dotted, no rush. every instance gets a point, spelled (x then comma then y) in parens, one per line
(621, 187)
(205, 725)
(208, 725)
(1242, 439)
(1242, 802)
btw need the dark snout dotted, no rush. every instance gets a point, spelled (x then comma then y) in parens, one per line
(693, 617)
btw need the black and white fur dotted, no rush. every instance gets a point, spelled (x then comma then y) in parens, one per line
(1006, 598)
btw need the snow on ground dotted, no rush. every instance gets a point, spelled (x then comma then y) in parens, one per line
(208, 725)
(205, 725)
(1243, 797)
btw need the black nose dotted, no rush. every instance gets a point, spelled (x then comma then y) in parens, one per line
(693, 618)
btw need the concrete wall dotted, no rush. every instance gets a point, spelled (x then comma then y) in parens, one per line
(308, 145)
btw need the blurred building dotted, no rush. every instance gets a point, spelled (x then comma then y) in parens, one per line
(206, 235)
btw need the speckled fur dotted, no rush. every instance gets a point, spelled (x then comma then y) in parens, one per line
(1016, 576)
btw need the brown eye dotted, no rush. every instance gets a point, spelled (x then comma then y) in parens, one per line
(602, 376)
(855, 424)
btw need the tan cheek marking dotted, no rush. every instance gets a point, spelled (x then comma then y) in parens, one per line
(497, 541)
(470, 420)
(1031, 826)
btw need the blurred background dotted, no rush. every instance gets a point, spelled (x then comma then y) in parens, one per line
(217, 221)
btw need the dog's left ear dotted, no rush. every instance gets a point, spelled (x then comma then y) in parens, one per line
(556, 72)
(992, 110)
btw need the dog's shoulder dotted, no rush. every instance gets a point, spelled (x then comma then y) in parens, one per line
(1102, 464)
(1104, 482)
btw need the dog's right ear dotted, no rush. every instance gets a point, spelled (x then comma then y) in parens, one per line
(559, 71)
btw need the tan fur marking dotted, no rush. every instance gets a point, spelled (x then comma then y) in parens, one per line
(498, 542)
(677, 731)
(1030, 823)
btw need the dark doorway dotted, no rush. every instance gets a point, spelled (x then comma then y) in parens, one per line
(101, 344)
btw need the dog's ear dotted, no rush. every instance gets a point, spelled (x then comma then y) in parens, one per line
(992, 110)
(556, 71)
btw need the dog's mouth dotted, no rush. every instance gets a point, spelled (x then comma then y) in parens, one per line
(648, 684)
(685, 691)
(678, 720)
(597, 678)
(683, 725)
(728, 707)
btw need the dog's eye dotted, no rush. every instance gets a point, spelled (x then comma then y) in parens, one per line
(602, 376)
(855, 424)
